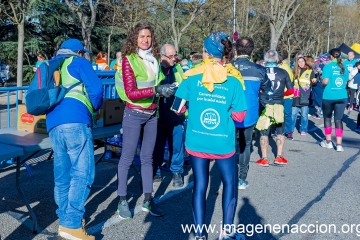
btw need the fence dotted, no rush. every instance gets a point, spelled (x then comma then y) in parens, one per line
(8, 116)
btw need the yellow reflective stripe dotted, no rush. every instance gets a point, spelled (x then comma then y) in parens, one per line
(82, 98)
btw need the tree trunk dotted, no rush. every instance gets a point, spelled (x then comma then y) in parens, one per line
(20, 58)
(274, 40)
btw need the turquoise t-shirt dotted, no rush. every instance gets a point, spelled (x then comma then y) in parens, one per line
(349, 64)
(112, 64)
(210, 128)
(38, 63)
(336, 87)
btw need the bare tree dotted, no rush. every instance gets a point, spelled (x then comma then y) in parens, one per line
(180, 27)
(87, 22)
(278, 13)
(16, 12)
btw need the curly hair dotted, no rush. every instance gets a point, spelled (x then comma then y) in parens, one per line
(130, 45)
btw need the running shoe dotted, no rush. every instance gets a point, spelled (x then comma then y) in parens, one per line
(157, 178)
(280, 161)
(152, 208)
(242, 184)
(123, 210)
(316, 117)
(339, 148)
(303, 133)
(325, 144)
(263, 162)
(224, 235)
(289, 136)
(357, 130)
(200, 238)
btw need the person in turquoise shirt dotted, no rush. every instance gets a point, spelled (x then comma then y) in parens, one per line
(335, 75)
(215, 100)
(350, 62)
(41, 57)
(116, 63)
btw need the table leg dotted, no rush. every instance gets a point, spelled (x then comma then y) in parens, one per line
(32, 214)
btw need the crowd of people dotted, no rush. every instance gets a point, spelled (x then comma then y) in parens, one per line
(221, 94)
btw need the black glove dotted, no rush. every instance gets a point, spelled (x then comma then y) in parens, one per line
(166, 90)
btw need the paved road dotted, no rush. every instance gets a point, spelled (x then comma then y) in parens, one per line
(317, 191)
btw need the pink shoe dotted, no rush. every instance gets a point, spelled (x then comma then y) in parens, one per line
(303, 133)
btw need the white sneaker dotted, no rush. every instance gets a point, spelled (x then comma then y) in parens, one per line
(325, 144)
(339, 148)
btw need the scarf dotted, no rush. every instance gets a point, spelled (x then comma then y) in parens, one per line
(147, 56)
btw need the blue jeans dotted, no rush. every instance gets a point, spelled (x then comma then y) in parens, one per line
(74, 171)
(175, 137)
(304, 118)
(288, 115)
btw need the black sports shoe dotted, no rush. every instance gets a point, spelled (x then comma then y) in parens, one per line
(157, 178)
(152, 208)
(177, 180)
(123, 210)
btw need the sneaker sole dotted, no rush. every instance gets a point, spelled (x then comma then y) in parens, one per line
(278, 163)
(242, 187)
(67, 236)
(341, 150)
(263, 165)
(178, 186)
(124, 218)
(152, 214)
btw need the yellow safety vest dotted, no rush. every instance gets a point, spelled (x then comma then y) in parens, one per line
(78, 92)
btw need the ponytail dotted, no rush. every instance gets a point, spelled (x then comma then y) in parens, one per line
(336, 53)
(341, 66)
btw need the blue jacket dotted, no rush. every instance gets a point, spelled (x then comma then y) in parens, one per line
(71, 110)
(255, 78)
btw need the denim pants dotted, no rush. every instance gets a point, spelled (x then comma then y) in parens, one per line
(244, 140)
(74, 171)
(288, 115)
(304, 118)
(175, 137)
(133, 122)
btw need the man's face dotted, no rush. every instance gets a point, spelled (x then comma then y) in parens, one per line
(351, 56)
(168, 60)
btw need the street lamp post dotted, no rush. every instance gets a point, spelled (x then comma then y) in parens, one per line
(328, 40)
(234, 29)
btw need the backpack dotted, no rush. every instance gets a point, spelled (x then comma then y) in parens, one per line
(44, 94)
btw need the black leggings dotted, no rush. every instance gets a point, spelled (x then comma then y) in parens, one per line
(336, 106)
(244, 140)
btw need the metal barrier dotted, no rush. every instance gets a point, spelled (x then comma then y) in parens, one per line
(109, 91)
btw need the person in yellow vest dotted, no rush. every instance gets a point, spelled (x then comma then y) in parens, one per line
(138, 84)
(288, 100)
(304, 77)
(69, 128)
(170, 125)
(101, 61)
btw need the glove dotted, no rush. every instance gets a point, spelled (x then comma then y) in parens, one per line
(166, 90)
